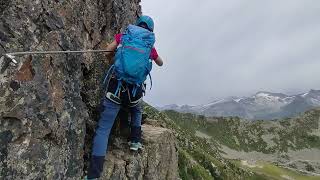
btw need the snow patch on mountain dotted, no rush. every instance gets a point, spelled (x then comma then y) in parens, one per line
(238, 100)
(262, 105)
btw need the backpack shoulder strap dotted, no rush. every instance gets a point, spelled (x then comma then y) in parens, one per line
(110, 71)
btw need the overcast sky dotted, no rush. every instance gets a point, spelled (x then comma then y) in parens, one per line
(219, 48)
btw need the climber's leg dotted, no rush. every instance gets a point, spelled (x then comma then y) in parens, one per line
(100, 142)
(136, 116)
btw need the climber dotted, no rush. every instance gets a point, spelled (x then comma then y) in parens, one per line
(132, 65)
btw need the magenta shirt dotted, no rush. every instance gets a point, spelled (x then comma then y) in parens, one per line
(153, 55)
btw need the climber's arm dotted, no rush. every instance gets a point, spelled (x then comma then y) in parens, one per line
(111, 47)
(158, 61)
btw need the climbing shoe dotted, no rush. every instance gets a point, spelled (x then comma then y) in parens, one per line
(86, 178)
(135, 146)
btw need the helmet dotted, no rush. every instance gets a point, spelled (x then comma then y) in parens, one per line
(148, 20)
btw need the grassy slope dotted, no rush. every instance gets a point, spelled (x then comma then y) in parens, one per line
(240, 135)
(294, 134)
(198, 157)
(277, 173)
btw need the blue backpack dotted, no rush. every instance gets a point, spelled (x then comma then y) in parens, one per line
(132, 59)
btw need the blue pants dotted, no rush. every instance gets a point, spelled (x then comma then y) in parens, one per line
(100, 142)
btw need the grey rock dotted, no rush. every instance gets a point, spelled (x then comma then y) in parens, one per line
(48, 103)
(158, 160)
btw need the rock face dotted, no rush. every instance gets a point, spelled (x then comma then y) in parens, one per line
(158, 159)
(48, 103)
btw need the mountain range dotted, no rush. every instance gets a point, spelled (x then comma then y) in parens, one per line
(262, 105)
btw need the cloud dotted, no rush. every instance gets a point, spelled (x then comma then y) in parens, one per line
(215, 48)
